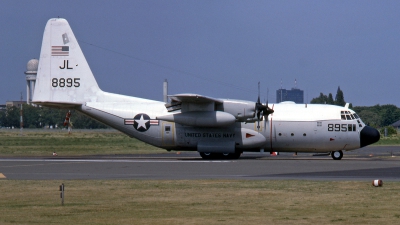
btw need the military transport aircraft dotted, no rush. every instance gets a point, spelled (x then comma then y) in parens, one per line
(214, 127)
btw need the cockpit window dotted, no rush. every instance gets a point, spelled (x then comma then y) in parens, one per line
(347, 115)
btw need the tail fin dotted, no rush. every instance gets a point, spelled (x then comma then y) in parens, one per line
(64, 78)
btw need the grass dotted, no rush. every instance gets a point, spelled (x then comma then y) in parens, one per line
(199, 202)
(177, 202)
(39, 142)
(389, 141)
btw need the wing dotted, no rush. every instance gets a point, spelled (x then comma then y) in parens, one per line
(203, 111)
(194, 98)
(192, 102)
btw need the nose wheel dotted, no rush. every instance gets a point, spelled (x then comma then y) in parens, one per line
(337, 155)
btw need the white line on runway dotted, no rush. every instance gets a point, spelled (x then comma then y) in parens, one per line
(112, 160)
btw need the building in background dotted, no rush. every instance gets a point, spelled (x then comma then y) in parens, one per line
(15, 103)
(295, 95)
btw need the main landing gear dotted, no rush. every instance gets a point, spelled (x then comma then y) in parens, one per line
(206, 155)
(337, 155)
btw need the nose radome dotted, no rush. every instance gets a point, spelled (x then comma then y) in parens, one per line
(369, 135)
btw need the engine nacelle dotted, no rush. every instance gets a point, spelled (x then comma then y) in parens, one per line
(241, 110)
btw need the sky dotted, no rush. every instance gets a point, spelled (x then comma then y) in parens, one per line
(217, 48)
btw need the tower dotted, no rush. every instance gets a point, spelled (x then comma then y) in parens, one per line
(31, 72)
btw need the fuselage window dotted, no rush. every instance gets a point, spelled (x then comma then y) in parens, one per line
(348, 117)
(319, 124)
(304, 134)
(167, 128)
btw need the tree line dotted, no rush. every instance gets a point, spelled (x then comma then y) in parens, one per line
(38, 117)
(41, 117)
(328, 99)
(375, 116)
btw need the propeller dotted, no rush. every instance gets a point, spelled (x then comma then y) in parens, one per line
(261, 109)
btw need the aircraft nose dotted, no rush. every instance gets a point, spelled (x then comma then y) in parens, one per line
(369, 135)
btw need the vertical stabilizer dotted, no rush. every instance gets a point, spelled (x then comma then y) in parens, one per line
(64, 76)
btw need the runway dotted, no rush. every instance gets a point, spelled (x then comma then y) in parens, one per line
(372, 163)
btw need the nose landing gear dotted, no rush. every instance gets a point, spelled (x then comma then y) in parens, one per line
(337, 155)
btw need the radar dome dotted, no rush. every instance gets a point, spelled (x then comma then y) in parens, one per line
(32, 65)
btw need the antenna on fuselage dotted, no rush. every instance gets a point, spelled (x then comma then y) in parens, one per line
(165, 91)
(281, 90)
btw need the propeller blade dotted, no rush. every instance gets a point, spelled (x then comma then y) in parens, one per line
(262, 111)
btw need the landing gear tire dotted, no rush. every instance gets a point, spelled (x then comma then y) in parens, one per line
(337, 155)
(206, 155)
(235, 155)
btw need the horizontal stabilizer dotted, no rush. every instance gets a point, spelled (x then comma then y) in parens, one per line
(67, 105)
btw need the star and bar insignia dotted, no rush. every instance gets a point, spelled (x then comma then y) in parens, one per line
(141, 122)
